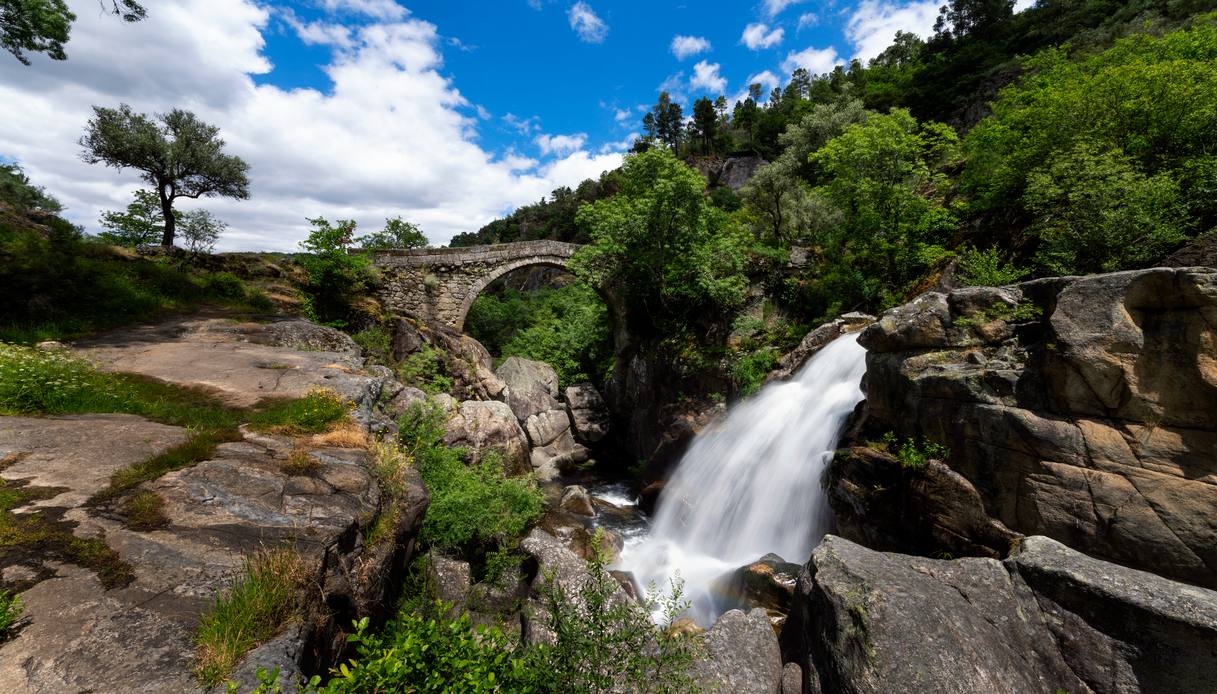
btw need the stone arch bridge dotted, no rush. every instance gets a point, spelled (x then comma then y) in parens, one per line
(441, 283)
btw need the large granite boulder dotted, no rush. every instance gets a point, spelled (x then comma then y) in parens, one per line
(1084, 409)
(553, 445)
(740, 654)
(481, 426)
(532, 386)
(1047, 619)
(589, 414)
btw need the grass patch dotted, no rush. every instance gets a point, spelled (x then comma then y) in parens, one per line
(11, 609)
(300, 462)
(41, 535)
(315, 413)
(198, 448)
(345, 434)
(254, 609)
(910, 453)
(145, 510)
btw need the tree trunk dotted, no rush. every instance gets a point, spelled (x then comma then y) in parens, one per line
(170, 222)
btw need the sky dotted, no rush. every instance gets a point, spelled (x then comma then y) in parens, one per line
(448, 113)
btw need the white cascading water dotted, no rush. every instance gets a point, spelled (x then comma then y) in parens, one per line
(751, 485)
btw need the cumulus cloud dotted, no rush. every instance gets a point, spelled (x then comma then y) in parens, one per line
(766, 79)
(524, 126)
(874, 24)
(774, 7)
(560, 144)
(586, 23)
(706, 77)
(817, 61)
(388, 137)
(387, 10)
(685, 46)
(808, 19)
(624, 145)
(758, 36)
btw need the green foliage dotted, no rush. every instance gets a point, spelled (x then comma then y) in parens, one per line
(911, 454)
(180, 157)
(1094, 212)
(424, 370)
(1144, 109)
(224, 284)
(985, 268)
(418, 653)
(605, 642)
(659, 246)
(565, 327)
(397, 233)
(751, 369)
(145, 510)
(17, 192)
(199, 231)
(11, 609)
(376, 341)
(552, 218)
(37, 26)
(474, 508)
(335, 275)
(253, 609)
(142, 223)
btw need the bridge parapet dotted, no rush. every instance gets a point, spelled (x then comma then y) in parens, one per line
(441, 283)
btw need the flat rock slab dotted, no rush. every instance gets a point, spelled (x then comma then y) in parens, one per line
(79, 453)
(78, 636)
(244, 362)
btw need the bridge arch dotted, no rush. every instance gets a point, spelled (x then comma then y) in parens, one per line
(440, 284)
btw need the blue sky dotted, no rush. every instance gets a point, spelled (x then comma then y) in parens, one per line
(447, 113)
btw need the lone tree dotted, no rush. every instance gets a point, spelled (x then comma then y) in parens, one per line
(182, 157)
(43, 26)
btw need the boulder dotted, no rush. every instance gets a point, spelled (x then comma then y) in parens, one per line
(531, 386)
(1081, 408)
(551, 426)
(740, 655)
(449, 579)
(767, 583)
(1048, 618)
(484, 425)
(407, 339)
(588, 413)
(575, 499)
(792, 679)
(868, 621)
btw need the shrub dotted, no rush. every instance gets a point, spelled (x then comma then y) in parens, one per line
(985, 268)
(473, 508)
(911, 454)
(252, 610)
(224, 285)
(750, 370)
(11, 609)
(300, 462)
(335, 275)
(422, 369)
(376, 343)
(417, 653)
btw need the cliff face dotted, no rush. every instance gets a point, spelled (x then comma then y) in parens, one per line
(1083, 409)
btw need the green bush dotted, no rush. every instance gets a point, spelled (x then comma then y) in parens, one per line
(224, 285)
(912, 454)
(316, 412)
(376, 342)
(474, 508)
(417, 653)
(335, 275)
(750, 370)
(985, 268)
(423, 370)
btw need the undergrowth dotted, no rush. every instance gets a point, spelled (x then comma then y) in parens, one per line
(262, 599)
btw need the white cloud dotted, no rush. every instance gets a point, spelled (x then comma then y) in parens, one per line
(318, 33)
(534, 4)
(808, 19)
(387, 10)
(706, 77)
(586, 23)
(774, 7)
(685, 46)
(766, 79)
(623, 115)
(388, 137)
(482, 112)
(623, 145)
(874, 24)
(817, 61)
(524, 126)
(560, 144)
(758, 36)
(1020, 5)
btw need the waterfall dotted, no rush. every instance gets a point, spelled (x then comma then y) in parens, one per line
(751, 484)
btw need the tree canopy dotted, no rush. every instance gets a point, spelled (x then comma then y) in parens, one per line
(177, 154)
(44, 26)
